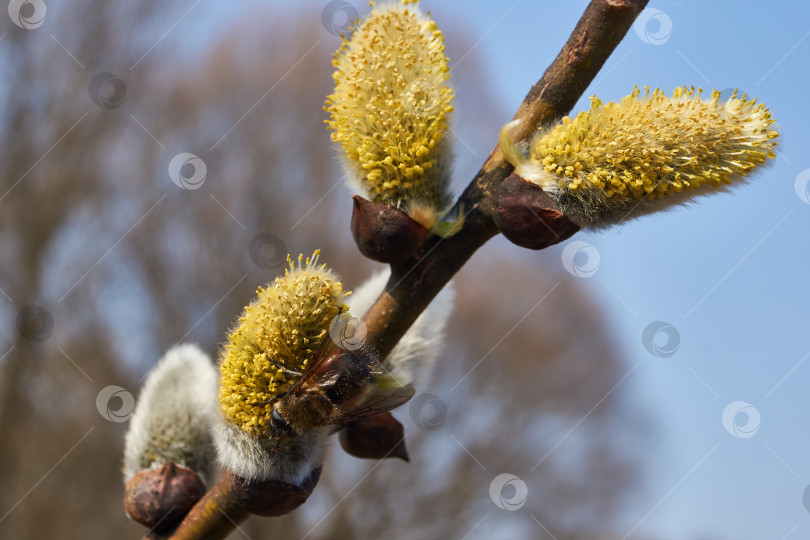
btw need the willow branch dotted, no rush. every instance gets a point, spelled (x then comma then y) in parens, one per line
(215, 515)
(417, 281)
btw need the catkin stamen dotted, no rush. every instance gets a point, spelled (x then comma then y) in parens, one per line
(620, 157)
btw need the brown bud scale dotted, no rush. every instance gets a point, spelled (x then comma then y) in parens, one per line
(375, 437)
(527, 216)
(385, 233)
(159, 498)
(271, 498)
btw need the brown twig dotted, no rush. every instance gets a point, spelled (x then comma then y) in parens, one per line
(415, 282)
(215, 515)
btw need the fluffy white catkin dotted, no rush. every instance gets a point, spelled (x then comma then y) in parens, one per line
(411, 361)
(173, 415)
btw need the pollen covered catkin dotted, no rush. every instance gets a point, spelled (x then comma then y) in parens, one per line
(274, 340)
(277, 335)
(646, 152)
(391, 106)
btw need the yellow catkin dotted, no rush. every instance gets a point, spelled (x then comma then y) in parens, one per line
(283, 326)
(618, 159)
(390, 107)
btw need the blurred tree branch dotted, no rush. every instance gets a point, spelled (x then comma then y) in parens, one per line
(416, 282)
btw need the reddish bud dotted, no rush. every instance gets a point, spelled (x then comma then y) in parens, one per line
(374, 437)
(271, 498)
(527, 216)
(159, 498)
(384, 233)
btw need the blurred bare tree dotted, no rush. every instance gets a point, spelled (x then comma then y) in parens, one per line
(106, 263)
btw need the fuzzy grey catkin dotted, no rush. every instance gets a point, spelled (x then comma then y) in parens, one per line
(173, 415)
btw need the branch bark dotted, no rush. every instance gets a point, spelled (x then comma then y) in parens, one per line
(415, 282)
(215, 515)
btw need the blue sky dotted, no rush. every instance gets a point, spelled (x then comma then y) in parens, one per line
(728, 276)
